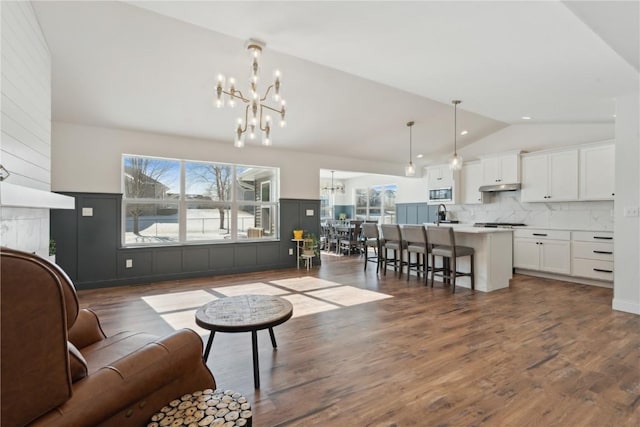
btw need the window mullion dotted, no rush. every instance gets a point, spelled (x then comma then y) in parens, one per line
(182, 207)
(233, 221)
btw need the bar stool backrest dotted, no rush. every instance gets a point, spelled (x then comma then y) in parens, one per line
(441, 236)
(414, 234)
(391, 232)
(370, 230)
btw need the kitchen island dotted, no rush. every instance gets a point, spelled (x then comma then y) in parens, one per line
(493, 256)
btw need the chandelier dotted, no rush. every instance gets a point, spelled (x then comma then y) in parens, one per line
(255, 118)
(333, 187)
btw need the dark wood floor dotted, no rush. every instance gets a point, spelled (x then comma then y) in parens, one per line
(541, 353)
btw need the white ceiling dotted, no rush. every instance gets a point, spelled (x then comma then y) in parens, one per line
(353, 72)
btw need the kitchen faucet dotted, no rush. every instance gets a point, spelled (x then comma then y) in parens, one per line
(444, 214)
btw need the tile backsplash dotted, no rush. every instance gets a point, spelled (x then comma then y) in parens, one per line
(507, 207)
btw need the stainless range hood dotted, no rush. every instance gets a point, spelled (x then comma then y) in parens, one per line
(499, 187)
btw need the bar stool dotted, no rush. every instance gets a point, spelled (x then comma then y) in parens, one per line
(371, 239)
(416, 238)
(443, 243)
(392, 238)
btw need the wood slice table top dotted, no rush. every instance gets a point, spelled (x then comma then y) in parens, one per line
(244, 313)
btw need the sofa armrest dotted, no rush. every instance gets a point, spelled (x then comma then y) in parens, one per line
(133, 388)
(86, 330)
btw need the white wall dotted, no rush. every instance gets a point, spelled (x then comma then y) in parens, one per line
(26, 123)
(626, 286)
(88, 159)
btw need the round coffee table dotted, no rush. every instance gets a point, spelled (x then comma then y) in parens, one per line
(244, 313)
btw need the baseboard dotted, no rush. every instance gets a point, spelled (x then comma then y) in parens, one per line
(626, 306)
(572, 279)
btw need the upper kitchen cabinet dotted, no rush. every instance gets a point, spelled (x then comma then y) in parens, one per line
(550, 177)
(502, 169)
(471, 178)
(440, 176)
(597, 177)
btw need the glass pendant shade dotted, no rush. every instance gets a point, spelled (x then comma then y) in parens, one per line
(456, 162)
(410, 170)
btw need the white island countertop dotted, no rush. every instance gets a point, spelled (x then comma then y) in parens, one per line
(469, 228)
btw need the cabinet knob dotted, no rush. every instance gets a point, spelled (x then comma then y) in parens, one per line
(613, 194)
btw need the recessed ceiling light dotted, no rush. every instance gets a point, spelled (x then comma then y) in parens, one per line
(464, 132)
(614, 116)
(526, 118)
(419, 156)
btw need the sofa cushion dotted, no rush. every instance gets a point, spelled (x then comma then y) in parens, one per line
(107, 351)
(77, 363)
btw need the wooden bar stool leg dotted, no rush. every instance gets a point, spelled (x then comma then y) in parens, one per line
(433, 269)
(452, 272)
(473, 285)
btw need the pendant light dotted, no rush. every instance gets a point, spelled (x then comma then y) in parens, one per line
(410, 170)
(456, 160)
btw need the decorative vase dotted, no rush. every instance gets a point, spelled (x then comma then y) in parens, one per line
(297, 234)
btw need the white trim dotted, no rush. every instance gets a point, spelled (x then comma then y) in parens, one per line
(25, 197)
(626, 306)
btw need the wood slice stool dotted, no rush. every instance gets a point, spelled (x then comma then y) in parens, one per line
(205, 408)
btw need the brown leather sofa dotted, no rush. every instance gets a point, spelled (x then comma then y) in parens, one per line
(60, 369)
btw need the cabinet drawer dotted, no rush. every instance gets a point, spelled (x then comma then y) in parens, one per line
(593, 269)
(592, 250)
(593, 236)
(542, 234)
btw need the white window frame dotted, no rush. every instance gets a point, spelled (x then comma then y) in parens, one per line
(183, 204)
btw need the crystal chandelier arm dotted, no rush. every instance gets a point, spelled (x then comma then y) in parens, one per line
(246, 118)
(236, 94)
(266, 94)
(271, 108)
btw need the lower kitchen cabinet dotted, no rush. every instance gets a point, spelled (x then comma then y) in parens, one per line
(592, 254)
(542, 250)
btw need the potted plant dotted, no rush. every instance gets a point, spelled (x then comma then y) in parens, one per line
(310, 245)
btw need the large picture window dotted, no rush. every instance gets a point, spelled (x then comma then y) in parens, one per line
(169, 201)
(376, 203)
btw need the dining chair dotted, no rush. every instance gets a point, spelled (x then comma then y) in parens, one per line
(371, 239)
(351, 239)
(443, 243)
(417, 243)
(393, 241)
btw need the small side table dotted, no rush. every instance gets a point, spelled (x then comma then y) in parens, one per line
(244, 313)
(205, 408)
(299, 243)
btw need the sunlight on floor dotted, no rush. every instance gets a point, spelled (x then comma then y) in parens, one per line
(251, 288)
(309, 295)
(348, 295)
(178, 300)
(302, 284)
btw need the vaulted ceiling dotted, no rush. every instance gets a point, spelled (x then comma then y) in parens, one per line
(353, 72)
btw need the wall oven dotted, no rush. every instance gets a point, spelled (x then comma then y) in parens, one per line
(440, 195)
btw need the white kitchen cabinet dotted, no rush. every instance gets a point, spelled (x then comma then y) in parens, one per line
(597, 174)
(503, 169)
(592, 254)
(550, 177)
(542, 250)
(471, 178)
(440, 176)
